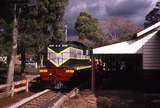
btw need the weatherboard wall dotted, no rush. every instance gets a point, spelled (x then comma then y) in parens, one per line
(151, 53)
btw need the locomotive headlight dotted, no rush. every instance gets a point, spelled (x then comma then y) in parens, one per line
(69, 71)
(43, 70)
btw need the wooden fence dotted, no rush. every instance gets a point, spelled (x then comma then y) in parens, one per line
(14, 87)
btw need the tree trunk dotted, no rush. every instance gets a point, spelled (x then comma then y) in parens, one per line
(41, 60)
(10, 76)
(23, 59)
(23, 55)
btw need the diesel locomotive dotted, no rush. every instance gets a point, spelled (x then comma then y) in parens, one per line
(65, 61)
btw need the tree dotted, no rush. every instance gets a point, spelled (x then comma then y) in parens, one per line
(5, 40)
(29, 26)
(10, 73)
(118, 29)
(40, 24)
(86, 26)
(56, 9)
(153, 16)
(37, 26)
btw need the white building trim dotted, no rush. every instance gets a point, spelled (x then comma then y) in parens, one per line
(130, 47)
(155, 26)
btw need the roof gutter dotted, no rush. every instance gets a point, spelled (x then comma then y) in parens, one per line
(155, 26)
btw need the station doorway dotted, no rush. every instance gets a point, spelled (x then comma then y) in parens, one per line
(119, 71)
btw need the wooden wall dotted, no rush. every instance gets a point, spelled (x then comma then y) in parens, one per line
(151, 53)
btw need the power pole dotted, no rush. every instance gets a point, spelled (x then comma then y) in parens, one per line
(66, 38)
(93, 72)
(10, 74)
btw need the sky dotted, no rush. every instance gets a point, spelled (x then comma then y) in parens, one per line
(135, 10)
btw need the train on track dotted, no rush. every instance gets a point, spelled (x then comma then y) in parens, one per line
(65, 63)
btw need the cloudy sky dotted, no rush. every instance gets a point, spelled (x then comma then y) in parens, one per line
(135, 10)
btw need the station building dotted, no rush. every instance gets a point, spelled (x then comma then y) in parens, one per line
(136, 61)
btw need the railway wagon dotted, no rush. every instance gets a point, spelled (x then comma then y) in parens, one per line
(65, 61)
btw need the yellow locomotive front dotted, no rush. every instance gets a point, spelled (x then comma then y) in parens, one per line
(64, 60)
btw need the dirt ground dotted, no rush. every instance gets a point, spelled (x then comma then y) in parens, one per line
(11, 100)
(112, 99)
(100, 99)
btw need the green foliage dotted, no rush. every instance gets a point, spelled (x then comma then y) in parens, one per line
(86, 26)
(5, 37)
(34, 23)
(153, 16)
(56, 12)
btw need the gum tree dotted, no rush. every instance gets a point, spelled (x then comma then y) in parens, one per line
(87, 28)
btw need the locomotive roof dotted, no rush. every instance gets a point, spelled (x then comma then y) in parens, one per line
(71, 43)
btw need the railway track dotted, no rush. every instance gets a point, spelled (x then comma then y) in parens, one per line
(44, 99)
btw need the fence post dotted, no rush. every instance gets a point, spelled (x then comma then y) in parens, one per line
(27, 85)
(12, 89)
